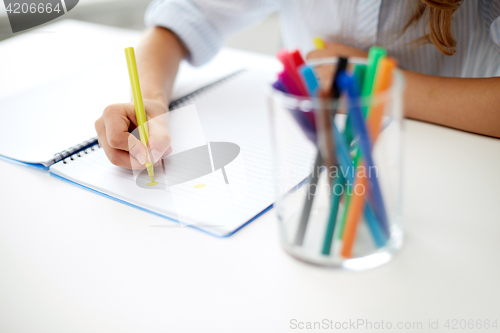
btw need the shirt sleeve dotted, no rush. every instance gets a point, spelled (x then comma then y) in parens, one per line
(203, 25)
(490, 10)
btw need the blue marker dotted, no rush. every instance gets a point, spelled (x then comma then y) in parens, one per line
(378, 234)
(357, 121)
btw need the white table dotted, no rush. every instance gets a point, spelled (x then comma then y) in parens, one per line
(73, 261)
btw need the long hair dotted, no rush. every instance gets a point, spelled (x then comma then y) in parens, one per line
(440, 17)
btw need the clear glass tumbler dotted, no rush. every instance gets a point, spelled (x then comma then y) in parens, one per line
(337, 206)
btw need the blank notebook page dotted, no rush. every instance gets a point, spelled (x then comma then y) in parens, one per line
(219, 175)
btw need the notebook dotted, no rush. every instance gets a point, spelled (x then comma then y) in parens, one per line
(221, 132)
(57, 117)
(219, 175)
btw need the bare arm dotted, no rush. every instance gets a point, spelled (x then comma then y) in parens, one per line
(158, 58)
(471, 105)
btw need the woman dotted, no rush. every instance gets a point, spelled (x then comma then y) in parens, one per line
(449, 49)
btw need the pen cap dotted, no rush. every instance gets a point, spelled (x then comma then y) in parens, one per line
(318, 43)
(297, 58)
(309, 77)
(291, 67)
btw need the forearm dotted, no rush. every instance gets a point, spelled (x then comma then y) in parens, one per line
(471, 105)
(158, 58)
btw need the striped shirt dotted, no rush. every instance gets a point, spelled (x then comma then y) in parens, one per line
(203, 25)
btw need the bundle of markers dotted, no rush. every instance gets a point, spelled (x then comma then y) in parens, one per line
(350, 149)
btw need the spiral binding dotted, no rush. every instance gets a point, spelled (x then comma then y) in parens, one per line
(183, 101)
(78, 149)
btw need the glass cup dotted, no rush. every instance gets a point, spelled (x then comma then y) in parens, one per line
(338, 196)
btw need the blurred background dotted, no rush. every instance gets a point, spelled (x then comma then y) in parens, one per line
(263, 38)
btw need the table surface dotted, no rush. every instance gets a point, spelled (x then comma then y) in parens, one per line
(73, 261)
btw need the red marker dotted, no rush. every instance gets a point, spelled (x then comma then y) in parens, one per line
(297, 59)
(289, 62)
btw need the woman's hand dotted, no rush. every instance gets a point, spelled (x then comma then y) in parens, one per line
(158, 58)
(325, 73)
(124, 149)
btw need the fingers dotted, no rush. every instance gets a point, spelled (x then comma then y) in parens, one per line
(336, 50)
(325, 73)
(317, 54)
(159, 137)
(123, 148)
(112, 130)
(137, 149)
(345, 51)
(120, 158)
(117, 123)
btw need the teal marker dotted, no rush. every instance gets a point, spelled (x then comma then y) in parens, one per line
(374, 56)
(310, 80)
(359, 76)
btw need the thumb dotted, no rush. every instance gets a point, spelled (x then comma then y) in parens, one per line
(137, 149)
(159, 137)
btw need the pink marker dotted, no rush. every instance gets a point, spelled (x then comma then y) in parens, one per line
(289, 83)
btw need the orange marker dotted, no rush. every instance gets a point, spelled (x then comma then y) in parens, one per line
(383, 82)
(356, 205)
